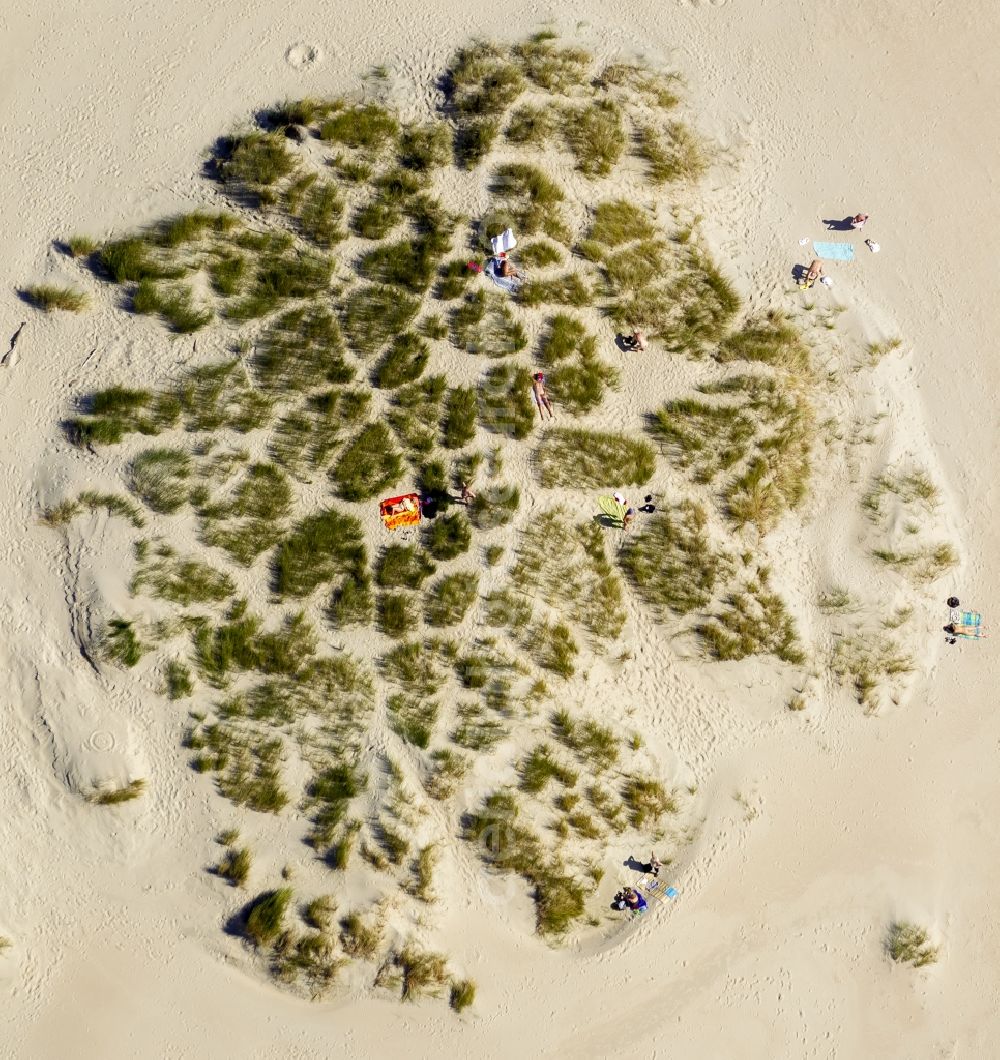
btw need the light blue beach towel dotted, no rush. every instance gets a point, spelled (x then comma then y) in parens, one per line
(834, 251)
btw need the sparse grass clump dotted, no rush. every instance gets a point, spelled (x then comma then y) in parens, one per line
(448, 536)
(533, 125)
(483, 323)
(424, 147)
(318, 914)
(416, 972)
(372, 315)
(93, 501)
(112, 796)
(458, 427)
(81, 246)
(673, 154)
(120, 643)
(265, 917)
(908, 943)
(235, 866)
(367, 465)
(51, 296)
(752, 621)
(494, 506)
(647, 801)
(596, 135)
(404, 362)
(505, 402)
(397, 614)
(412, 719)
(618, 221)
(178, 680)
(159, 478)
(551, 67)
(539, 255)
(450, 598)
(403, 566)
(671, 560)
(577, 458)
(318, 547)
(257, 160)
(184, 581)
(360, 939)
(569, 289)
(369, 126)
(870, 663)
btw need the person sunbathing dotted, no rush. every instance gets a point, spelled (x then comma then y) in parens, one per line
(407, 504)
(541, 396)
(505, 269)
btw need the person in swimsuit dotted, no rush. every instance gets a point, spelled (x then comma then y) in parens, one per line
(541, 396)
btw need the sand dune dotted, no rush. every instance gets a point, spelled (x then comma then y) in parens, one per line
(807, 832)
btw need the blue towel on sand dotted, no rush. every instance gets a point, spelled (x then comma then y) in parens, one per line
(834, 251)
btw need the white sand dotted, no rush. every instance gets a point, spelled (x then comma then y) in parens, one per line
(774, 947)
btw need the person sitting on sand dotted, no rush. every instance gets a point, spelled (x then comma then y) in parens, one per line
(628, 518)
(504, 267)
(541, 396)
(858, 220)
(813, 273)
(467, 495)
(635, 341)
(634, 901)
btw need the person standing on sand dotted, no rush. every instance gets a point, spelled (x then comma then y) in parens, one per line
(541, 396)
(654, 863)
(858, 220)
(467, 495)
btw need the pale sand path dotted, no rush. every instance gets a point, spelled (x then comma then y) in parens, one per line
(882, 107)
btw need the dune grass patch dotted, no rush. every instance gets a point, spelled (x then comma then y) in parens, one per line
(373, 315)
(404, 362)
(671, 561)
(583, 459)
(367, 465)
(121, 644)
(753, 620)
(506, 405)
(47, 297)
(369, 126)
(317, 548)
(450, 597)
(908, 943)
(114, 796)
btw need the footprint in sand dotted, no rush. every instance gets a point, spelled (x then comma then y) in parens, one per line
(303, 56)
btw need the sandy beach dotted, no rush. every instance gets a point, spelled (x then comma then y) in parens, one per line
(800, 835)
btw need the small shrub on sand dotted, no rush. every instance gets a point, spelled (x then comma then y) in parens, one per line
(178, 680)
(533, 126)
(494, 506)
(569, 289)
(752, 621)
(397, 614)
(551, 67)
(540, 767)
(257, 160)
(93, 501)
(475, 731)
(403, 566)
(412, 719)
(423, 873)
(410, 263)
(120, 643)
(404, 362)
(446, 770)
(908, 943)
(369, 126)
(869, 662)
(235, 866)
(450, 598)
(416, 972)
(596, 135)
(81, 246)
(414, 668)
(359, 939)
(592, 742)
(676, 154)
(184, 581)
(458, 427)
(448, 536)
(424, 147)
(539, 255)
(618, 221)
(367, 465)
(552, 646)
(671, 561)
(227, 274)
(318, 914)
(227, 837)
(352, 602)
(373, 315)
(484, 324)
(647, 801)
(49, 297)
(318, 547)
(130, 260)
(111, 796)
(265, 918)
(922, 565)
(159, 478)
(506, 405)
(577, 458)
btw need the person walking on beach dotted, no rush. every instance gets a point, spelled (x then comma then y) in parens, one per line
(654, 864)
(467, 495)
(541, 396)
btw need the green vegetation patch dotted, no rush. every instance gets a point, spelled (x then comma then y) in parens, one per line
(578, 458)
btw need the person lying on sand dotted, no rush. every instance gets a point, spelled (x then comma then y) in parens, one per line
(407, 504)
(541, 396)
